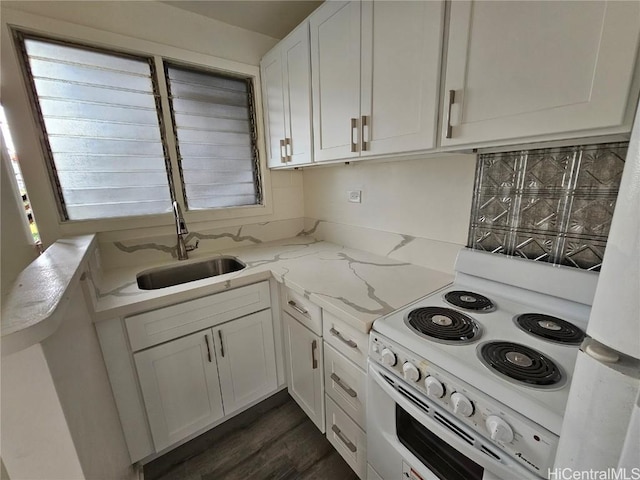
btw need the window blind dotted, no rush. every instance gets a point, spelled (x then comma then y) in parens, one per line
(214, 128)
(100, 116)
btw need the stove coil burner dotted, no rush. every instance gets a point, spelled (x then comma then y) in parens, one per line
(469, 301)
(520, 363)
(444, 325)
(550, 328)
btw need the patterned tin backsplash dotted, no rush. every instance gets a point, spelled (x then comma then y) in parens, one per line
(551, 205)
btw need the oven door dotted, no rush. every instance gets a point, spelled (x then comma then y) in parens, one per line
(408, 435)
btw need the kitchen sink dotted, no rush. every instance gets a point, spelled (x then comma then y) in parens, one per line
(168, 276)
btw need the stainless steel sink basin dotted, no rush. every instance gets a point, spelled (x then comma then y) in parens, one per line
(162, 277)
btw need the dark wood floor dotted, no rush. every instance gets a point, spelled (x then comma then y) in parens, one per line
(273, 440)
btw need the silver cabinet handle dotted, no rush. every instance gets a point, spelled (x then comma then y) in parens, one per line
(337, 334)
(452, 100)
(314, 362)
(283, 152)
(221, 343)
(344, 439)
(365, 123)
(206, 340)
(287, 149)
(350, 391)
(354, 126)
(297, 308)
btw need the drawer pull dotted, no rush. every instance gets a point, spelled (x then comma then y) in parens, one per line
(452, 100)
(352, 448)
(354, 143)
(287, 149)
(221, 343)
(350, 391)
(365, 124)
(283, 151)
(314, 362)
(339, 336)
(297, 308)
(206, 340)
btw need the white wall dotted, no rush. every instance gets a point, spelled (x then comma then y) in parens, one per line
(157, 22)
(36, 442)
(146, 27)
(77, 367)
(428, 198)
(59, 418)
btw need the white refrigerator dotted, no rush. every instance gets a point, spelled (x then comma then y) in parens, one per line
(601, 428)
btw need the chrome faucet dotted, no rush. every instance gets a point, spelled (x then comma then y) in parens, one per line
(181, 230)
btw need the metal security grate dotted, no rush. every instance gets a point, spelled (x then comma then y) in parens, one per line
(109, 146)
(552, 205)
(215, 137)
(102, 135)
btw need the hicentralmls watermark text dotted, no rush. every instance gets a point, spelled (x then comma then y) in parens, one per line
(608, 474)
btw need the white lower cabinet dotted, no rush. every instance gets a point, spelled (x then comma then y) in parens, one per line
(189, 383)
(304, 358)
(347, 437)
(179, 382)
(246, 360)
(345, 357)
(346, 384)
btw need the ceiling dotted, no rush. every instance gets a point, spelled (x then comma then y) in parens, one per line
(275, 18)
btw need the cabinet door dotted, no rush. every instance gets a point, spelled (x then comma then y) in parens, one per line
(401, 50)
(303, 353)
(179, 383)
(335, 79)
(296, 64)
(273, 100)
(246, 359)
(523, 69)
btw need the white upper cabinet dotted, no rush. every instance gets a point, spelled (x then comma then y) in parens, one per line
(286, 92)
(335, 79)
(401, 50)
(522, 71)
(273, 99)
(375, 73)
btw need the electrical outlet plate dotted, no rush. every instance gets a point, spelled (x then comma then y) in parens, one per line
(354, 196)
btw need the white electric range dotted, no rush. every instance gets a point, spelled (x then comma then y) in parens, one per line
(484, 364)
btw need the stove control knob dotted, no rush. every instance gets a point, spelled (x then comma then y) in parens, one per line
(410, 372)
(388, 357)
(461, 405)
(434, 387)
(499, 430)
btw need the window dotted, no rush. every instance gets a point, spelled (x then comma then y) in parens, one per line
(106, 137)
(215, 137)
(22, 190)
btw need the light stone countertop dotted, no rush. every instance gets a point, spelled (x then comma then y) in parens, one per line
(33, 306)
(356, 286)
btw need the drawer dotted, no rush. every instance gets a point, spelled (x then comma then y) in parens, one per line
(349, 341)
(164, 324)
(372, 474)
(303, 310)
(346, 384)
(347, 438)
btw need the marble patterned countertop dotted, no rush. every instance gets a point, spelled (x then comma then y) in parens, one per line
(34, 305)
(356, 286)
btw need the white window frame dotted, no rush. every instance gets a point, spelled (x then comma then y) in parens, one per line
(64, 31)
